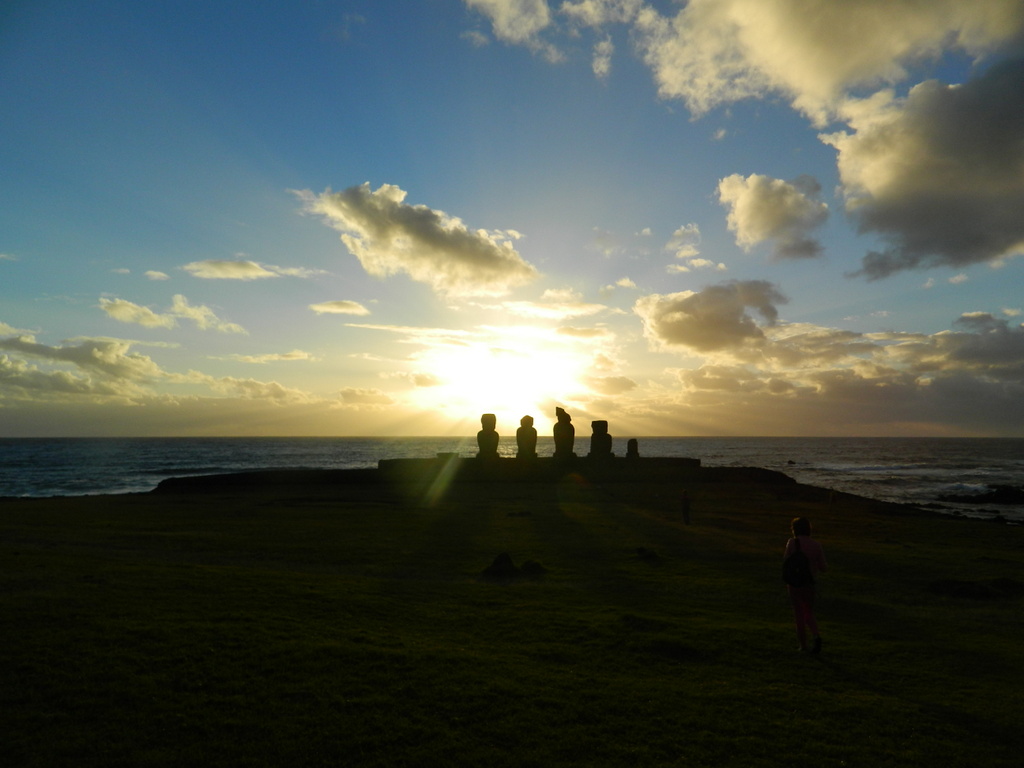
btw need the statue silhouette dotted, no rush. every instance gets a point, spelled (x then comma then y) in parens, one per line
(632, 449)
(526, 439)
(565, 435)
(487, 438)
(600, 441)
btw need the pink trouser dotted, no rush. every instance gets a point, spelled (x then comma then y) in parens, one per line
(803, 612)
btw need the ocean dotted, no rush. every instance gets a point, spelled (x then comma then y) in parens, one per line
(908, 470)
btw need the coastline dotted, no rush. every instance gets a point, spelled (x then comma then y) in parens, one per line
(433, 478)
(917, 471)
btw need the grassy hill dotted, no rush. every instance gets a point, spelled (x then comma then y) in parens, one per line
(351, 624)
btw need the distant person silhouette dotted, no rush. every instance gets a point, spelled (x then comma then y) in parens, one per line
(565, 435)
(799, 578)
(487, 438)
(526, 439)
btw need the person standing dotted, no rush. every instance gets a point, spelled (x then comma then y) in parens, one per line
(803, 559)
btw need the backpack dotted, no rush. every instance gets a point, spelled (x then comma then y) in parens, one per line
(796, 568)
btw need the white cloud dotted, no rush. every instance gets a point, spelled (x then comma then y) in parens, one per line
(241, 269)
(813, 51)
(101, 370)
(389, 236)
(622, 282)
(685, 241)
(596, 13)
(252, 389)
(22, 381)
(105, 373)
(940, 173)
(152, 274)
(294, 271)
(216, 269)
(602, 64)
(716, 318)
(706, 264)
(762, 209)
(340, 307)
(272, 357)
(419, 334)
(958, 279)
(8, 257)
(685, 244)
(584, 333)
(127, 312)
(202, 316)
(555, 304)
(611, 385)
(422, 379)
(692, 264)
(519, 22)
(515, 21)
(363, 398)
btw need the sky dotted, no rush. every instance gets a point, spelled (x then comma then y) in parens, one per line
(383, 217)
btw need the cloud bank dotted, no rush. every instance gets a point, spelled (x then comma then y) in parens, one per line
(940, 173)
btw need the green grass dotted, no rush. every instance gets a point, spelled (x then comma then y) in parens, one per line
(309, 627)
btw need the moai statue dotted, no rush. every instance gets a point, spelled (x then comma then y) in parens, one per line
(526, 439)
(565, 435)
(487, 438)
(600, 441)
(632, 449)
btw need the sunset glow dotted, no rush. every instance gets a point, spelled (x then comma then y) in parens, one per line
(511, 379)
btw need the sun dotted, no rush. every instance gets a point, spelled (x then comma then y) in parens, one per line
(510, 374)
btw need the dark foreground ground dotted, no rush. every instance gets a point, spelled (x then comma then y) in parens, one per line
(315, 619)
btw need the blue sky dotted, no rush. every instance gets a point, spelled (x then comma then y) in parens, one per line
(729, 217)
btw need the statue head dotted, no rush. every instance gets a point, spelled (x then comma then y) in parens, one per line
(561, 415)
(488, 420)
(526, 421)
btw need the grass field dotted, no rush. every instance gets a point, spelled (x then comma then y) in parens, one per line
(351, 625)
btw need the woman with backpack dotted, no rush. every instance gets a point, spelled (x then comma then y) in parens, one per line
(803, 558)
